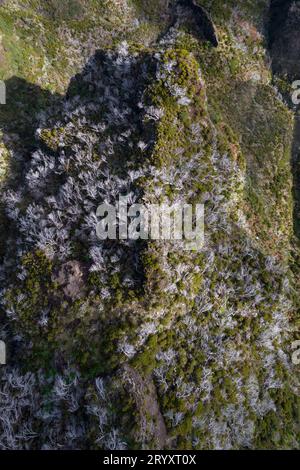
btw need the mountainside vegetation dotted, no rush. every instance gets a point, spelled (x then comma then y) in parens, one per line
(139, 344)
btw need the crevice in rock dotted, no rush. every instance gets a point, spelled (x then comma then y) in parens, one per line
(194, 18)
(284, 46)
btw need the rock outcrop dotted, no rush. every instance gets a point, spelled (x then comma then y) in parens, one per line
(190, 11)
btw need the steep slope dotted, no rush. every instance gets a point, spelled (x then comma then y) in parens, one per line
(140, 344)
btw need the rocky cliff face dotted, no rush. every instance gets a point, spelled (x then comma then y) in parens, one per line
(139, 344)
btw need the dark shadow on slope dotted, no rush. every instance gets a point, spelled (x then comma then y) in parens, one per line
(296, 174)
(203, 21)
(284, 38)
(284, 44)
(278, 14)
(18, 123)
(19, 119)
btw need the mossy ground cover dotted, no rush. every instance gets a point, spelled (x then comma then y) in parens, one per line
(212, 329)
